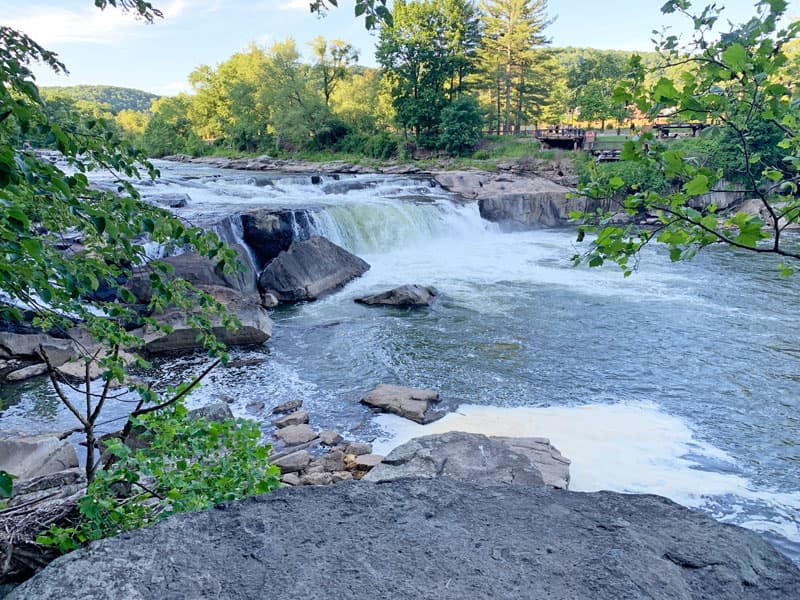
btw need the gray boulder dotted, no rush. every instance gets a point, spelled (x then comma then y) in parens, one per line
(464, 456)
(411, 403)
(551, 464)
(458, 540)
(169, 200)
(26, 345)
(256, 325)
(197, 270)
(412, 296)
(36, 455)
(310, 269)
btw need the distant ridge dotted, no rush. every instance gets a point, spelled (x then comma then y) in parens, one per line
(118, 98)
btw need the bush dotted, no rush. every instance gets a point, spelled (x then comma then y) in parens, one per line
(462, 124)
(189, 463)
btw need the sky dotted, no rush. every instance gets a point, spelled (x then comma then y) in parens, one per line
(112, 48)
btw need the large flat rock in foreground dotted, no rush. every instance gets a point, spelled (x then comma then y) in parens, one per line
(428, 538)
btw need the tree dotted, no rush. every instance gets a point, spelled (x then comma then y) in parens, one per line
(512, 31)
(591, 81)
(169, 130)
(426, 55)
(461, 126)
(41, 206)
(738, 85)
(331, 62)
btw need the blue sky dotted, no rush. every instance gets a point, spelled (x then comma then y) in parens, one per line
(114, 49)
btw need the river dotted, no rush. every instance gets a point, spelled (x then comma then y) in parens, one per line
(682, 380)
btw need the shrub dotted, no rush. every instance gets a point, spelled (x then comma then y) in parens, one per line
(461, 126)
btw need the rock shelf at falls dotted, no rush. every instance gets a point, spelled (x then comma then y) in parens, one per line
(680, 381)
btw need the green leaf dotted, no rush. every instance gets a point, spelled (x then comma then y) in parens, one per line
(697, 186)
(735, 56)
(6, 484)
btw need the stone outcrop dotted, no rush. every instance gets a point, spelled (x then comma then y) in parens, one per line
(268, 232)
(515, 200)
(458, 540)
(197, 270)
(32, 456)
(407, 296)
(475, 458)
(309, 269)
(256, 325)
(411, 403)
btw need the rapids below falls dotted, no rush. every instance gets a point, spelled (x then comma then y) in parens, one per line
(682, 380)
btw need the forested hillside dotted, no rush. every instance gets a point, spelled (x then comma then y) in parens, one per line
(117, 98)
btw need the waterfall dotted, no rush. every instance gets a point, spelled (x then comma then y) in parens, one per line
(382, 226)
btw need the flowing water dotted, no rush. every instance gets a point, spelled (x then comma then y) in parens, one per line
(682, 380)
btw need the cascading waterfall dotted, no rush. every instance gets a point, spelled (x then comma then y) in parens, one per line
(378, 228)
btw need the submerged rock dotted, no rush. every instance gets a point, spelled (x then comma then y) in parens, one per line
(408, 295)
(458, 540)
(411, 403)
(310, 269)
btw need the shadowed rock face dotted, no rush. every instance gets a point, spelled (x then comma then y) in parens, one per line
(432, 539)
(310, 269)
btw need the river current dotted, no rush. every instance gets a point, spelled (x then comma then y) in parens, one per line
(682, 380)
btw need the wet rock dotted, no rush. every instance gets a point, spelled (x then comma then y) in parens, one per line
(256, 325)
(27, 372)
(254, 407)
(170, 200)
(291, 463)
(365, 462)
(332, 461)
(287, 407)
(197, 270)
(411, 296)
(358, 448)
(26, 345)
(310, 269)
(298, 417)
(411, 403)
(218, 411)
(295, 434)
(464, 456)
(32, 456)
(329, 438)
(516, 542)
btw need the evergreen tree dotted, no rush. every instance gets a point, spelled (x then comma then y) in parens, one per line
(512, 33)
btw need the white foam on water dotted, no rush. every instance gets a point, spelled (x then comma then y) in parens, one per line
(626, 447)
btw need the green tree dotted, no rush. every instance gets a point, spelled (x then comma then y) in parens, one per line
(42, 205)
(461, 126)
(738, 85)
(331, 61)
(513, 30)
(426, 55)
(591, 81)
(169, 130)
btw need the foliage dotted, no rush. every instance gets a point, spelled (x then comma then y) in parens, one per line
(373, 11)
(116, 98)
(188, 463)
(43, 206)
(461, 126)
(426, 55)
(514, 72)
(737, 83)
(6, 484)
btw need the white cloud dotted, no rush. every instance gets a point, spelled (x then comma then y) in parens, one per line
(53, 25)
